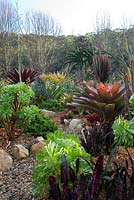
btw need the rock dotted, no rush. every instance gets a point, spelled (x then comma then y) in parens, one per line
(47, 113)
(40, 139)
(37, 147)
(6, 160)
(75, 125)
(66, 122)
(19, 151)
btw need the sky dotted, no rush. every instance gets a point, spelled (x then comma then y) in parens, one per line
(78, 17)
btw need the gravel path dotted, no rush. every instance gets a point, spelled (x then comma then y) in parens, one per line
(16, 183)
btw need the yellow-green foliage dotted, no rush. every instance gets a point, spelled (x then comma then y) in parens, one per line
(53, 77)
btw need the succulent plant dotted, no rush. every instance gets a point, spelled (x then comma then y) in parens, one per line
(25, 75)
(107, 101)
(101, 67)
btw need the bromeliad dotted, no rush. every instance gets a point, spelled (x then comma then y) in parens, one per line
(107, 101)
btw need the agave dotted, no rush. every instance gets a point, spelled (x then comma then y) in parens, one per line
(25, 75)
(107, 101)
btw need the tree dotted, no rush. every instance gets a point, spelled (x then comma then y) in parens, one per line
(8, 26)
(45, 29)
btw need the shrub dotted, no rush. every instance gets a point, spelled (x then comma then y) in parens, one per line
(13, 99)
(48, 94)
(123, 132)
(131, 104)
(52, 104)
(48, 161)
(55, 78)
(51, 95)
(48, 90)
(40, 125)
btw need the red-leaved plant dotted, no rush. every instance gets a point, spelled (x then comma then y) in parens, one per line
(108, 101)
(93, 118)
(25, 75)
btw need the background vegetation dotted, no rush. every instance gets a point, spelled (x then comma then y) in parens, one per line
(36, 41)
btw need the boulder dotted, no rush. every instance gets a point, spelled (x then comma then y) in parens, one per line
(47, 113)
(40, 139)
(20, 152)
(75, 125)
(66, 122)
(37, 147)
(6, 160)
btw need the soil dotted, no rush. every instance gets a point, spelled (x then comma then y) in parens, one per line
(58, 117)
(19, 137)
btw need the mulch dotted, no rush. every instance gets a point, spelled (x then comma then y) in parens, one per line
(19, 137)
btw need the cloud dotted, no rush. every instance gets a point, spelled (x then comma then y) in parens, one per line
(79, 16)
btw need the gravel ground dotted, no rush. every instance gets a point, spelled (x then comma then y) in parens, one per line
(17, 182)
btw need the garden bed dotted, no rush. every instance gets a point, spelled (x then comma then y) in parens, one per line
(17, 182)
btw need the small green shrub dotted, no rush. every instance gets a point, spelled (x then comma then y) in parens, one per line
(47, 90)
(131, 105)
(14, 99)
(53, 77)
(124, 132)
(40, 125)
(47, 95)
(26, 115)
(48, 161)
(52, 104)
(51, 95)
